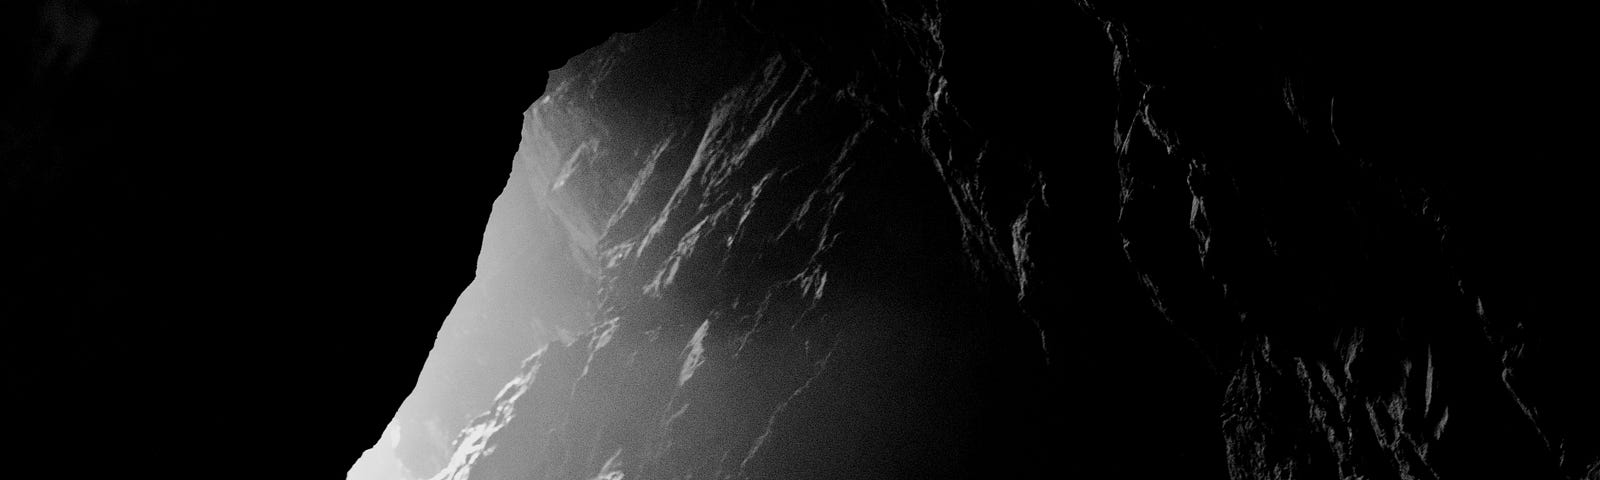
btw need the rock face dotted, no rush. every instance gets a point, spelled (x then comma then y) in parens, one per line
(826, 239)
(895, 240)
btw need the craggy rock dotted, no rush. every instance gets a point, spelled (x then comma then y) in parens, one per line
(897, 240)
(817, 239)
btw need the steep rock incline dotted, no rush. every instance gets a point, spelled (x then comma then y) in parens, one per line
(230, 229)
(778, 298)
(894, 240)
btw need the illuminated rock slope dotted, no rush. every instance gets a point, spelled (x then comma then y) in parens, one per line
(894, 241)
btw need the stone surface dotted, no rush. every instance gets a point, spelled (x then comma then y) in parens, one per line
(1196, 243)
(919, 239)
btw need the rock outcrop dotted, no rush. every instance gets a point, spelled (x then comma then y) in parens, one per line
(836, 239)
(894, 240)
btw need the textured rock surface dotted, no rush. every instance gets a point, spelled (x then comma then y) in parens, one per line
(1130, 240)
(841, 239)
